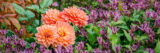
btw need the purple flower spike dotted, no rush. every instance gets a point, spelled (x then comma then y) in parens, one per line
(150, 50)
(59, 49)
(69, 49)
(148, 13)
(114, 29)
(100, 40)
(84, 51)
(157, 23)
(22, 42)
(41, 48)
(47, 51)
(55, 4)
(83, 32)
(80, 46)
(33, 45)
(97, 50)
(21, 32)
(117, 16)
(117, 48)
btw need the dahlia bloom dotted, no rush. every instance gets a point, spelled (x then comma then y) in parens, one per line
(76, 16)
(66, 34)
(46, 34)
(51, 17)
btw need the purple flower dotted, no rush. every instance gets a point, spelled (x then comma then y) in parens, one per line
(21, 32)
(41, 48)
(131, 34)
(55, 4)
(102, 32)
(100, 40)
(117, 48)
(59, 49)
(80, 46)
(148, 13)
(135, 47)
(83, 32)
(154, 15)
(7, 40)
(157, 23)
(47, 51)
(150, 50)
(33, 45)
(27, 50)
(85, 51)
(22, 42)
(3, 32)
(97, 50)
(114, 29)
(69, 49)
(117, 15)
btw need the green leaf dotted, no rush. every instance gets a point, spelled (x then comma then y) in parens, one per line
(18, 9)
(22, 19)
(92, 37)
(158, 31)
(29, 14)
(29, 28)
(127, 35)
(33, 7)
(36, 23)
(89, 48)
(75, 28)
(45, 3)
(157, 48)
(9, 33)
(109, 31)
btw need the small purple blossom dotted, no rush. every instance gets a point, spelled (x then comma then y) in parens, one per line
(22, 42)
(55, 4)
(33, 45)
(114, 29)
(100, 40)
(80, 46)
(150, 50)
(157, 23)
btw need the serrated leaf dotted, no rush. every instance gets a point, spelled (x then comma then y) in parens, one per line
(45, 3)
(34, 7)
(127, 35)
(18, 9)
(15, 22)
(157, 48)
(29, 14)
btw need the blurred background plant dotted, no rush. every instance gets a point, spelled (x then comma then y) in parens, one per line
(115, 26)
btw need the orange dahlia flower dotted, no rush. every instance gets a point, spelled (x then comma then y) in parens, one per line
(46, 34)
(51, 17)
(66, 34)
(76, 16)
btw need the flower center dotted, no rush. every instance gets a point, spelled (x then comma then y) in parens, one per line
(47, 35)
(61, 33)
